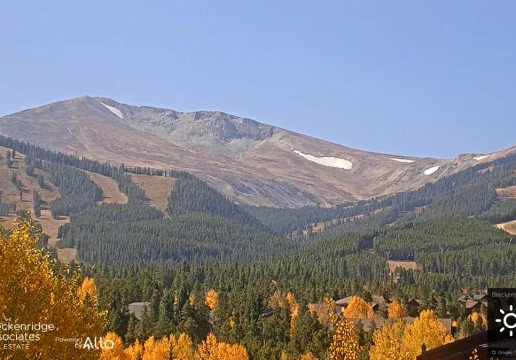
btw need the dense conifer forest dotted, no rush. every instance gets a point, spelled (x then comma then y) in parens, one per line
(247, 274)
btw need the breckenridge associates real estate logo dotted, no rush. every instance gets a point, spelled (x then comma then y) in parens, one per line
(21, 336)
(25, 337)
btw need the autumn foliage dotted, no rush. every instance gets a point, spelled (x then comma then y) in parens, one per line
(87, 289)
(358, 308)
(397, 310)
(211, 299)
(33, 293)
(345, 342)
(402, 341)
(213, 350)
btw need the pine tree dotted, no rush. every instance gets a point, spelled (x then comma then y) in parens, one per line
(8, 159)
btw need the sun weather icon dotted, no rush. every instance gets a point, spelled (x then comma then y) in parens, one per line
(506, 317)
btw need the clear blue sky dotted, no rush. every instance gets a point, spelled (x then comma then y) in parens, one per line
(421, 78)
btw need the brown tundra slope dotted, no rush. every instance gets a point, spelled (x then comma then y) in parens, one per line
(250, 162)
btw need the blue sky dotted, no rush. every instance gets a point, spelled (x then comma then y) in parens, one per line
(421, 78)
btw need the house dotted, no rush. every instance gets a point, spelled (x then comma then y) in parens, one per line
(479, 297)
(378, 301)
(471, 306)
(341, 304)
(138, 308)
(464, 298)
(413, 306)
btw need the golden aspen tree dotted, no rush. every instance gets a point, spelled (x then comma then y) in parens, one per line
(115, 353)
(325, 311)
(211, 299)
(33, 294)
(207, 350)
(475, 316)
(427, 330)
(308, 356)
(88, 288)
(283, 356)
(210, 349)
(294, 309)
(345, 345)
(231, 351)
(182, 347)
(156, 350)
(276, 301)
(358, 308)
(387, 342)
(397, 310)
(135, 351)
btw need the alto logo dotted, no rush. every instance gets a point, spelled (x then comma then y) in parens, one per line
(97, 343)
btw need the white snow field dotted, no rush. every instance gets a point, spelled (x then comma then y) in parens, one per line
(327, 161)
(114, 110)
(403, 160)
(431, 170)
(478, 158)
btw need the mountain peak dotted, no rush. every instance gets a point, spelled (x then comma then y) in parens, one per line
(248, 161)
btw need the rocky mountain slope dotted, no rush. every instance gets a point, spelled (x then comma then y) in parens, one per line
(250, 162)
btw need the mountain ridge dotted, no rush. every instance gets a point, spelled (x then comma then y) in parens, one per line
(246, 160)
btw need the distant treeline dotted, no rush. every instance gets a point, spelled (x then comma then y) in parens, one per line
(466, 193)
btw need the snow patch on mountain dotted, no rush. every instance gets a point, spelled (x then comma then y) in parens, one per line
(431, 170)
(114, 110)
(478, 158)
(327, 161)
(403, 160)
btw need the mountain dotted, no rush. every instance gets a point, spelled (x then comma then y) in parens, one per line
(250, 162)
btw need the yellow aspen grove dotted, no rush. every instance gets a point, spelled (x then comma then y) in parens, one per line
(88, 288)
(387, 342)
(396, 309)
(358, 308)
(115, 353)
(156, 350)
(135, 351)
(210, 349)
(211, 299)
(182, 347)
(45, 304)
(345, 345)
(427, 330)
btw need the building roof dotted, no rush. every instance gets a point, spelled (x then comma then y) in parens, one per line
(138, 308)
(381, 300)
(344, 301)
(414, 301)
(464, 298)
(469, 304)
